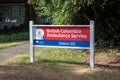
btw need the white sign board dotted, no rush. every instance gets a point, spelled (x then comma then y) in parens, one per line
(62, 36)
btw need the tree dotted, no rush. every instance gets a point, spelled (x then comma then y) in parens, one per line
(61, 11)
(106, 14)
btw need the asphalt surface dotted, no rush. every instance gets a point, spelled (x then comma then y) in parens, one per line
(9, 52)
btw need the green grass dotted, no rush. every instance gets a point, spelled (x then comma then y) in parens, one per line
(14, 37)
(11, 44)
(58, 64)
(7, 46)
(55, 55)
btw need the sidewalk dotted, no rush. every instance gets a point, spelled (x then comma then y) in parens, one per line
(6, 53)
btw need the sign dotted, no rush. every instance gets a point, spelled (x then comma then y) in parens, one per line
(62, 36)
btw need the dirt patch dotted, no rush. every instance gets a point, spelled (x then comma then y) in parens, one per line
(50, 71)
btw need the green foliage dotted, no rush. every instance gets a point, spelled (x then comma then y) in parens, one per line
(14, 37)
(14, 34)
(107, 17)
(60, 10)
(106, 14)
(110, 52)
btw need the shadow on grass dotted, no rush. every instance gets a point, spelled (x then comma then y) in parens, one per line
(41, 71)
(82, 64)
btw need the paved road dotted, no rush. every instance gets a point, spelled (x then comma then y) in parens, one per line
(6, 53)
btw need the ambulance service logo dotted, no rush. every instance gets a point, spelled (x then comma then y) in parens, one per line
(40, 34)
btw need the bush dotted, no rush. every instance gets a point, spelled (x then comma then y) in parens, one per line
(13, 34)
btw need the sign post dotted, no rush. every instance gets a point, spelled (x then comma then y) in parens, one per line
(31, 23)
(62, 36)
(92, 44)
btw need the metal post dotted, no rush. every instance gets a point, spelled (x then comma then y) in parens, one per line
(31, 23)
(92, 44)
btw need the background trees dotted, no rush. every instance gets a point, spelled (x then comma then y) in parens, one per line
(106, 14)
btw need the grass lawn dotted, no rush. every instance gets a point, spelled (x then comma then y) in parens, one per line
(11, 44)
(62, 64)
